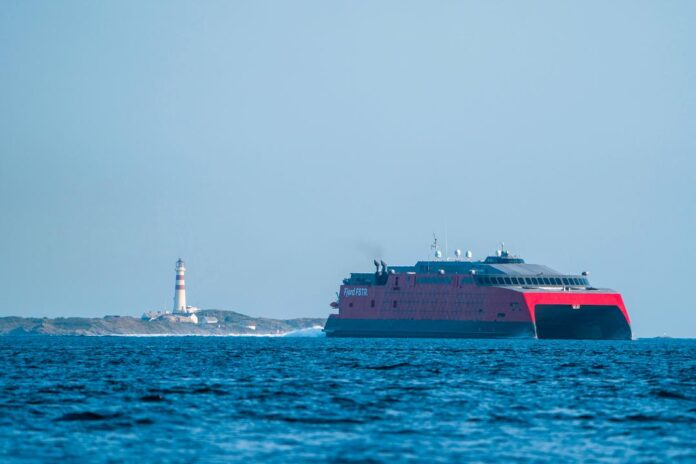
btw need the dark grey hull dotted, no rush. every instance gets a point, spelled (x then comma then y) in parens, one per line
(410, 328)
(591, 322)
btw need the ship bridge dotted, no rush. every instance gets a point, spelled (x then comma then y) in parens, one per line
(500, 270)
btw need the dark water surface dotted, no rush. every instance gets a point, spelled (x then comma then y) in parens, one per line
(194, 399)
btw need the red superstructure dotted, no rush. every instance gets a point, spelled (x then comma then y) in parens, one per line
(501, 296)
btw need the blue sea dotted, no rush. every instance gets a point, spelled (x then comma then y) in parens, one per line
(203, 399)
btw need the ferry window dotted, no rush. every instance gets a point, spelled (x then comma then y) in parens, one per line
(528, 281)
(557, 281)
(394, 303)
(546, 281)
(576, 281)
(535, 281)
(350, 305)
(372, 304)
(585, 282)
(565, 281)
(396, 281)
(507, 281)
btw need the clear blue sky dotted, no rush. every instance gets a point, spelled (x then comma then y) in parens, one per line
(277, 146)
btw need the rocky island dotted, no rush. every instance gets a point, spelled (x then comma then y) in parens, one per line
(210, 322)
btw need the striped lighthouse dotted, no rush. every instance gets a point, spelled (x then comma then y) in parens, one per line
(180, 288)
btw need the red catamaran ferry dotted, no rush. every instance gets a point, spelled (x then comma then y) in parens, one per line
(499, 297)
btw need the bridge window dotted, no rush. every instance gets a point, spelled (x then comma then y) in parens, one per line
(565, 281)
(507, 281)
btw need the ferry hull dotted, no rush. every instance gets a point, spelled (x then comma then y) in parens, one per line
(551, 321)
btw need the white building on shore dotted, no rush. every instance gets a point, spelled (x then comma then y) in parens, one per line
(180, 312)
